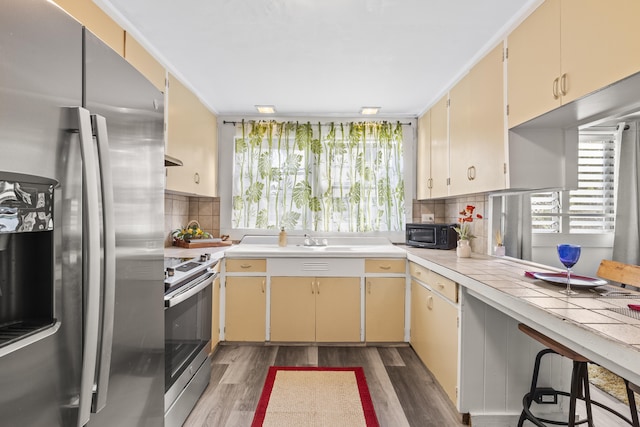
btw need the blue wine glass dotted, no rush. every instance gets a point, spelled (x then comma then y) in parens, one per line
(569, 256)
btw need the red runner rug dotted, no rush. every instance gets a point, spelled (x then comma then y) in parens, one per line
(310, 396)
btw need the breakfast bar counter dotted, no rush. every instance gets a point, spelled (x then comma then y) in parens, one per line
(594, 324)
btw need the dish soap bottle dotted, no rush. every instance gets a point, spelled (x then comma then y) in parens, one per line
(282, 238)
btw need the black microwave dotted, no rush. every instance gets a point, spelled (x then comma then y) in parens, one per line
(432, 236)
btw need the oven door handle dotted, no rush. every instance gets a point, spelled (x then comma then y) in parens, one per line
(190, 291)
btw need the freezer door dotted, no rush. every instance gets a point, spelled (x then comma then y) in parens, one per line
(133, 112)
(40, 77)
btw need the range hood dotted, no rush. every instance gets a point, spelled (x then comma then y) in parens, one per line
(171, 161)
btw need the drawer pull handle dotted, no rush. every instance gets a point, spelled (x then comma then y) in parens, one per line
(318, 287)
(245, 266)
(263, 283)
(430, 303)
(554, 88)
(312, 290)
(440, 285)
(369, 287)
(385, 267)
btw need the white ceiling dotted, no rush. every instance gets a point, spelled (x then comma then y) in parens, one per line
(317, 57)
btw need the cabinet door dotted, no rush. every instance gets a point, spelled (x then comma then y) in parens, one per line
(293, 309)
(98, 22)
(144, 62)
(534, 64)
(192, 136)
(423, 157)
(215, 313)
(337, 309)
(384, 309)
(461, 137)
(487, 114)
(600, 43)
(441, 341)
(440, 148)
(419, 295)
(245, 308)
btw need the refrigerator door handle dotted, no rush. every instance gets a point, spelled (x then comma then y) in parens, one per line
(91, 232)
(109, 264)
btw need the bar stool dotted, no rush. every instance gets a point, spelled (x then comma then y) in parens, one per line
(579, 386)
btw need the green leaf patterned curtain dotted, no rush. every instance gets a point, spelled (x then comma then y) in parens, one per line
(329, 177)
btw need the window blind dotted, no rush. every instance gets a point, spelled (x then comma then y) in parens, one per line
(591, 207)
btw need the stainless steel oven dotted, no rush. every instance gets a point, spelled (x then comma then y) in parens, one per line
(188, 299)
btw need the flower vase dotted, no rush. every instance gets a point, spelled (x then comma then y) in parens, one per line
(464, 249)
(499, 250)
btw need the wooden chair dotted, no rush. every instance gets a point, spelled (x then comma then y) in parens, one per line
(625, 274)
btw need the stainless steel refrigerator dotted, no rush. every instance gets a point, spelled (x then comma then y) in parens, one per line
(81, 228)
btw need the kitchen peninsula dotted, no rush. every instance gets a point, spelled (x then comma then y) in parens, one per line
(491, 295)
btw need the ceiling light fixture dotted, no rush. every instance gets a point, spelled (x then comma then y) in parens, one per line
(369, 110)
(266, 109)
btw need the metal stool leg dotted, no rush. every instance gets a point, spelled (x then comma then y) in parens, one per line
(632, 404)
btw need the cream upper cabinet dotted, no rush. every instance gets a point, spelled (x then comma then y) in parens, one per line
(144, 62)
(440, 148)
(423, 157)
(568, 48)
(98, 22)
(476, 128)
(600, 41)
(534, 64)
(192, 136)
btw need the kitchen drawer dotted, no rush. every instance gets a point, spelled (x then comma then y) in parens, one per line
(372, 265)
(419, 272)
(446, 287)
(246, 265)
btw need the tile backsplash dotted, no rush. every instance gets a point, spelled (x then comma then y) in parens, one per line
(179, 210)
(448, 211)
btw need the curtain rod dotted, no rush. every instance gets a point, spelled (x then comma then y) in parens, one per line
(225, 122)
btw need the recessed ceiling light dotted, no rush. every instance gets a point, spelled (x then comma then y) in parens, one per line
(266, 109)
(369, 110)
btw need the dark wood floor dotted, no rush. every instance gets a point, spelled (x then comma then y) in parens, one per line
(403, 391)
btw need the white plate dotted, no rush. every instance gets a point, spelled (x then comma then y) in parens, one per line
(577, 281)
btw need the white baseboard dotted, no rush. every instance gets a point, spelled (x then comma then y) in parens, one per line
(495, 420)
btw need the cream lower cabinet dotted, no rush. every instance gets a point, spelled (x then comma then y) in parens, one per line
(245, 300)
(215, 313)
(434, 326)
(315, 309)
(385, 284)
(384, 309)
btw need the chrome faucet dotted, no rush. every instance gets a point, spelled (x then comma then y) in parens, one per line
(313, 241)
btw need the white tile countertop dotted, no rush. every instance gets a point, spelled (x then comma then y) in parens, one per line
(585, 322)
